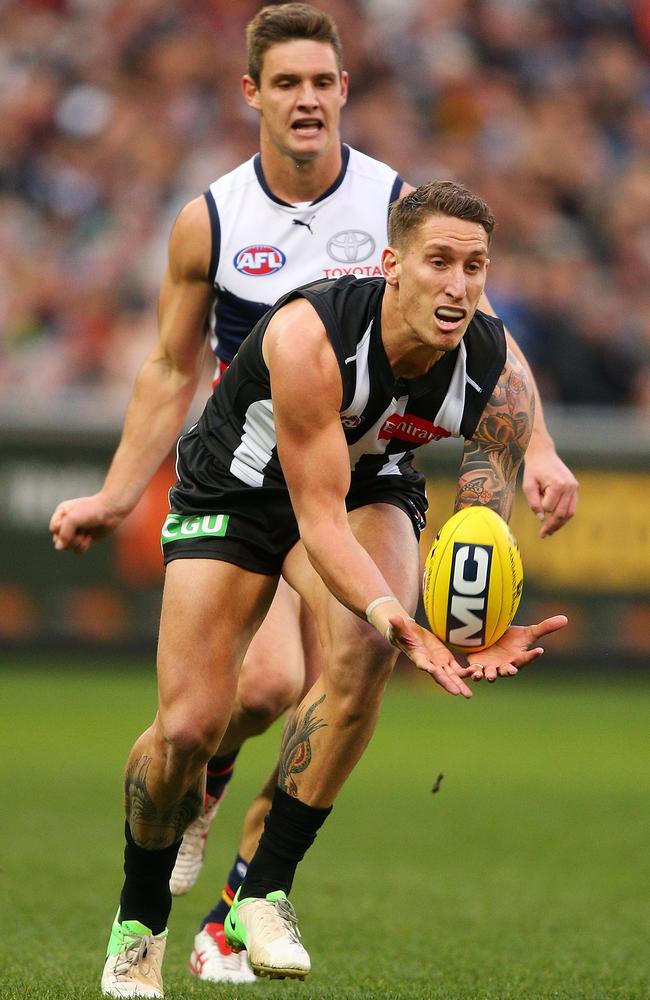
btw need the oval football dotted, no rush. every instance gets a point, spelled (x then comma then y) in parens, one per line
(473, 579)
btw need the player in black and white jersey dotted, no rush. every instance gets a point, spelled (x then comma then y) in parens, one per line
(301, 466)
(307, 207)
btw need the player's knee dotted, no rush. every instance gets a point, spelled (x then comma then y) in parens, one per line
(260, 702)
(190, 736)
(357, 675)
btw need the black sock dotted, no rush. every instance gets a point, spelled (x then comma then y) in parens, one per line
(220, 769)
(145, 893)
(290, 829)
(218, 914)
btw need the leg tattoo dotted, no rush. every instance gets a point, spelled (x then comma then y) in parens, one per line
(157, 828)
(295, 755)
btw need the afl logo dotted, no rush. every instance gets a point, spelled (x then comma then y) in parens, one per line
(350, 246)
(259, 259)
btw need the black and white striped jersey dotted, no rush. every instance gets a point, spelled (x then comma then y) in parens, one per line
(384, 418)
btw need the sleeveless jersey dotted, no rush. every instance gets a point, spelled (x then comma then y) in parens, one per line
(263, 247)
(383, 417)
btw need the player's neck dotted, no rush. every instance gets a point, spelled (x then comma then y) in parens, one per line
(407, 357)
(294, 180)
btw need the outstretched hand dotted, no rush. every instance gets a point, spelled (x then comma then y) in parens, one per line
(76, 524)
(550, 488)
(429, 654)
(513, 650)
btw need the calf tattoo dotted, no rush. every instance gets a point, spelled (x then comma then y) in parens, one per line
(156, 827)
(295, 755)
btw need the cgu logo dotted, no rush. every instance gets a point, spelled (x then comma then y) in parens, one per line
(468, 592)
(258, 260)
(179, 527)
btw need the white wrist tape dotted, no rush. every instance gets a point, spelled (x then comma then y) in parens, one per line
(377, 601)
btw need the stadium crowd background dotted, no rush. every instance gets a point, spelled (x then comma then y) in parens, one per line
(116, 112)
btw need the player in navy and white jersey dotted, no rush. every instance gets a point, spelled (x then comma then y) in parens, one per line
(300, 466)
(304, 207)
(263, 246)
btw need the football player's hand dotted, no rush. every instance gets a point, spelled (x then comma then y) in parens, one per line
(550, 487)
(429, 654)
(76, 524)
(513, 650)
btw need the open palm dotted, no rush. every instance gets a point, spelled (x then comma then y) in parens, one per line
(516, 647)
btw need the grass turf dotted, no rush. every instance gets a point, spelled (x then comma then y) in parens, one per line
(525, 876)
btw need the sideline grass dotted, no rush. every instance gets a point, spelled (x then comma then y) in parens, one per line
(524, 877)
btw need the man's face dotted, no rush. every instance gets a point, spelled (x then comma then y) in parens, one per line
(440, 276)
(299, 98)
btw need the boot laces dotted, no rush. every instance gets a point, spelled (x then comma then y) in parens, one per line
(137, 953)
(286, 913)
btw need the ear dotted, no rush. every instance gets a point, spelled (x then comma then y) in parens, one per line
(391, 265)
(250, 92)
(345, 80)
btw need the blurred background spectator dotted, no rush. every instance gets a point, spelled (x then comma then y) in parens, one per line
(114, 113)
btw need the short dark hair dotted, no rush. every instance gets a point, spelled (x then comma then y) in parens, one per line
(284, 23)
(436, 197)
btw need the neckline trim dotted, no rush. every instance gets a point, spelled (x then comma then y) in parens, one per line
(345, 158)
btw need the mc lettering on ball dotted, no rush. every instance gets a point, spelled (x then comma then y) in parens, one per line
(473, 580)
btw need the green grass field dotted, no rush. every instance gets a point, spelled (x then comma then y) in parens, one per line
(525, 876)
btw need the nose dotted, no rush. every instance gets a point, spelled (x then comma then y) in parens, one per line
(456, 284)
(307, 97)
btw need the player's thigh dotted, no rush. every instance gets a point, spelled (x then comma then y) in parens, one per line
(273, 670)
(210, 611)
(387, 534)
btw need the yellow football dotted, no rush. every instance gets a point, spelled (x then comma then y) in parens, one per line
(473, 578)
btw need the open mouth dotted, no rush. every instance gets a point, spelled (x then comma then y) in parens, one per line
(307, 126)
(449, 317)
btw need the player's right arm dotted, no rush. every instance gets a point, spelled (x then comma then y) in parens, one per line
(163, 390)
(306, 388)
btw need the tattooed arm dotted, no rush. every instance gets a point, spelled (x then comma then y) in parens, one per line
(488, 472)
(488, 475)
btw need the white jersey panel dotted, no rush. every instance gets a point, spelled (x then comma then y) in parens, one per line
(267, 248)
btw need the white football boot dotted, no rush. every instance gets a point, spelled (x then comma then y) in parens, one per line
(268, 929)
(189, 860)
(133, 966)
(214, 960)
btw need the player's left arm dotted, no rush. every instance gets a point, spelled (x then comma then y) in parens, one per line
(550, 487)
(488, 476)
(492, 456)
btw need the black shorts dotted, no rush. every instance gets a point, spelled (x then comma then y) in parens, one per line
(213, 516)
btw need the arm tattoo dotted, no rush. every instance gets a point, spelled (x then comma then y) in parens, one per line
(157, 828)
(492, 457)
(295, 755)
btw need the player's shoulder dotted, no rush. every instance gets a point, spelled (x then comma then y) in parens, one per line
(485, 344)
(368, 167)
(488, 326)
(190, 240)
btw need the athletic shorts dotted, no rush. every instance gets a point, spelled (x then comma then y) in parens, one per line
(212, 516)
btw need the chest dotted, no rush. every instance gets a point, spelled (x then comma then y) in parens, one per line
(268, 249)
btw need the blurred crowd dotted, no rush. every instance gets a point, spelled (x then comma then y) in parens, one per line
(114, 113)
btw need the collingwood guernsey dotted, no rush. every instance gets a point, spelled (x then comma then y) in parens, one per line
(384, 418)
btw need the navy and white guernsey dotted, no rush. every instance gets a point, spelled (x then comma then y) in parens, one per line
(263, 247)
(383, 417)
